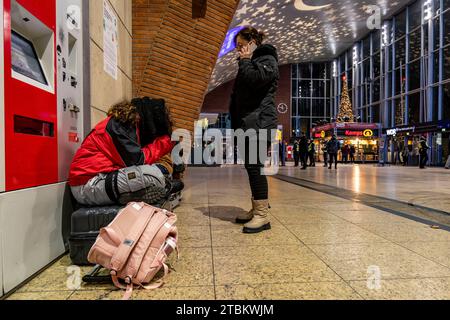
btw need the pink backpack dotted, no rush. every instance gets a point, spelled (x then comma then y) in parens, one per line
(135, 246)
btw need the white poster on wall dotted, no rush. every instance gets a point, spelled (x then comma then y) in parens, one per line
(110, 40)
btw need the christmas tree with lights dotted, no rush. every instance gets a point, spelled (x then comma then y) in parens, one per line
(400, 110)
(345, 109)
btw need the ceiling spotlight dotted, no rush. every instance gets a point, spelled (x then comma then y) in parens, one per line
(427, 10)
(385, 35)
(355, 55)
(335, 68)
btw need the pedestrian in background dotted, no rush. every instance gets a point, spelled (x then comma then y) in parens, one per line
(447, 165)
(312, 153)
(423, 152)
(304, 151)
(283, 145)
(325, 155)
(405, 155)
(296, 152)
(352, 154)
(333, 147)
(345, 153)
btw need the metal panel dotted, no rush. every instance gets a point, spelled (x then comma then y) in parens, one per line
(30, 229)
(70, 75)
(2, 106)
(2, 137)
(87, 69)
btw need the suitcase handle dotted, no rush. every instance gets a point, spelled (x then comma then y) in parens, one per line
(93, 277)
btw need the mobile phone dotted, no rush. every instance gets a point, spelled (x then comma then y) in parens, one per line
(252, 46)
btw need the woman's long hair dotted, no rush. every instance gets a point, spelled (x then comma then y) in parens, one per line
(125, 113)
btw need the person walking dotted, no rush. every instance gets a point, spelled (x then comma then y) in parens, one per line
(312, 153)
(447, 165)
(423, 152)
(296, 152)
(325, 155)
(345, 153)
(352, 154)
(405, 155)
(304, 152)
(283, 145)
(253, 108)
(332, 149)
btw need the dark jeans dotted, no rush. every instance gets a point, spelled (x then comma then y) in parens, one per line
(296, 159)
(344, 158)
(304, 160)
(423, 160)
(325, 159)
(333, 158)
(352, 158)
(312, 159)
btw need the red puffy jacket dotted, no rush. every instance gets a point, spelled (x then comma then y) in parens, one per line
(112, 146)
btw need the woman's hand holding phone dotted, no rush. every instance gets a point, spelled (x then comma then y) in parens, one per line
(247, 51)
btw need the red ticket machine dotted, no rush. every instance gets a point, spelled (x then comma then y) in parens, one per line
(31, 147)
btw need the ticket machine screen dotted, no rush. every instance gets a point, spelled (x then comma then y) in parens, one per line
(25, 60)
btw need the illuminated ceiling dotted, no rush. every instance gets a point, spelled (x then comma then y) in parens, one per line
(304, 30)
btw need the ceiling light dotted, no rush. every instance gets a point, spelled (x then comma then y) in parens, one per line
(355, 55)
(427, 10)
(385, 35)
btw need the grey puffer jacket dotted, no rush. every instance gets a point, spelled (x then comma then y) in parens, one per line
(253, 99)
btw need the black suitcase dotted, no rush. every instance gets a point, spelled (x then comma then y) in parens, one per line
(85, 227)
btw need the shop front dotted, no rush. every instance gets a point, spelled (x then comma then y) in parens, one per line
(403, 143)
(364, 137)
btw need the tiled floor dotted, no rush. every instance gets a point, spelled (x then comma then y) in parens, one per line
(320, 247)
(429, 188)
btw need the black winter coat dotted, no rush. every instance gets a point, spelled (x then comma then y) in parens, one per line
(253, 99)
(303, 145)
(333, 146)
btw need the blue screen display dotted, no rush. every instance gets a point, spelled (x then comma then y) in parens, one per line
(229, 44)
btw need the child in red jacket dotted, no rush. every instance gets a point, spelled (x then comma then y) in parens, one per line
(126, 157)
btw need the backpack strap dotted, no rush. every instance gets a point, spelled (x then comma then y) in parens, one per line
(128, 289)
(160, 282)
(117, 283)
(128, 292)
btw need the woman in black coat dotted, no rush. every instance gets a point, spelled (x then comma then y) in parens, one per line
(253, 107)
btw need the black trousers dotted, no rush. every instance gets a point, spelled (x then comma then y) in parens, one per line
(258, 181)
(296, 159)
(423, 160)
(345, 159)
(304, 159)
(333, 157)
(312, 159)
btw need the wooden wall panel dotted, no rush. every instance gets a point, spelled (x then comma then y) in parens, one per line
(174, 55)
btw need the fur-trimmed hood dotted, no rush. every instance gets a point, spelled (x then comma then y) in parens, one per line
(265, 50)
